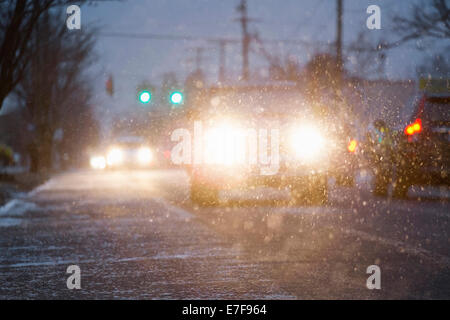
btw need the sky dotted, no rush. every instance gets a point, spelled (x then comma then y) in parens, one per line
(131, 61)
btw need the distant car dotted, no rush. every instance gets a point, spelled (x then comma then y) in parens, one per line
(312, 147)
(422, 151)
(129, 152)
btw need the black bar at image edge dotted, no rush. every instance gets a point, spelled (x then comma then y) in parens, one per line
(217, 309)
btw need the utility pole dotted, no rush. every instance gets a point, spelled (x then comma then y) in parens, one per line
(339, 8)
(195, 62)
(243, 19)
(198, 58)
(222, 60)
(222, 43)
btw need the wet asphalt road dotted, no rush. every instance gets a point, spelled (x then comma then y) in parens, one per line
(135, 234)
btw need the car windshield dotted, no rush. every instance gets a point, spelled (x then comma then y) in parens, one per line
(260, 101)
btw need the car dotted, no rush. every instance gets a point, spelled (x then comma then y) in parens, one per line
(129, 152)
(422, 151)
(241, 122)
(378, 152)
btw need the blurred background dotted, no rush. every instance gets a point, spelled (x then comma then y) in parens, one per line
(65, 91)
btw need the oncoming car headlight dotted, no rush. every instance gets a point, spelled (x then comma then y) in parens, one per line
(225, 144)
(144, 155)
(98, 162)
(307, 142)
(114, 157)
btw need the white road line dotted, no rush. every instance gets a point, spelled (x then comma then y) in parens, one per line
(112, 260)
(180, 212)
(17, 207)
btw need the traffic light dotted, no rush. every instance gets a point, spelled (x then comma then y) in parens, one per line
(145, 96)
(176, 97)
(144, 91)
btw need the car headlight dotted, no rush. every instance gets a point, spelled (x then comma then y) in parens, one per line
(144, 155)
(307, 142)
(225, 145)
(115, 156)
(98, 162)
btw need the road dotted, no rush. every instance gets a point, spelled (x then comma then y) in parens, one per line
(136, 235)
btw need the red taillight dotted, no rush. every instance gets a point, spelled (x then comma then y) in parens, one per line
(414, 128)
(352, 145)
(409, 130)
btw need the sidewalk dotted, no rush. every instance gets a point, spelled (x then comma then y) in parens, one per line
(15, 181)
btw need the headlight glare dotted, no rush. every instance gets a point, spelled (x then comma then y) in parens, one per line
(225, 145)
(115, 156)
(144, 155)
(307, 142)
(98, 162)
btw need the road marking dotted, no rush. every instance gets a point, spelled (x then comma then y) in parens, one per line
(17, 207)
(10, 222)
(43, 263)
(180, 212)
(116, 260)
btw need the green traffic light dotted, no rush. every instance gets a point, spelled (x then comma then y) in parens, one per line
(145, 96)
(176, 97)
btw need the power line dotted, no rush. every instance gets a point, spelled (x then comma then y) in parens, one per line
(172, 37)
(222, 58)
(221, 41)
(154, 36)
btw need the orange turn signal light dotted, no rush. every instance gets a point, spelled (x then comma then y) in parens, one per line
(352, 145)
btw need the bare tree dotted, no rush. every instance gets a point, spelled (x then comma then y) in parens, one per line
(54, 78)
(426, 21)
(366, 58)
(437, 66)
(17, 21)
